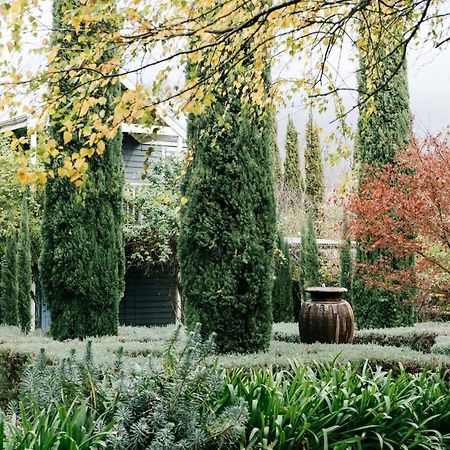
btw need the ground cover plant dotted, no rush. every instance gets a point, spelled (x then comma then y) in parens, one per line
(191, 402)
(348, 407)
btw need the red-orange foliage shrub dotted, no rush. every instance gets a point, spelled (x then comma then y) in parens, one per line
(403, 209)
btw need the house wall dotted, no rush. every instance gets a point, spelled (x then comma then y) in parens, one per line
(135, 153)
(149, 299)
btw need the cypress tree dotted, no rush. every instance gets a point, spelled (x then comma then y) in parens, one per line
(82, 263)
(228, 224)
(24, 269)
(346, 257)
(314, 176)
(282, 301)
(384, 126)
(9, 288)
(292, 175)
(276, 163)
(309, 256)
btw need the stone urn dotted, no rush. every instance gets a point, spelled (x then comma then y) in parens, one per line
(326, 318)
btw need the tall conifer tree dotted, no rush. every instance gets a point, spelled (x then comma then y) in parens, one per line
(282, 299)
(24, 268)
(384, 127)
(292, 174)
(346, 257)
(8, 286)
(228, 224)
(314, 176)
(82, 264)
(309, 256)
(276, 163)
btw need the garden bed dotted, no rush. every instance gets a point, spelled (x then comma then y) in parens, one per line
(422, 337)
(142, 346)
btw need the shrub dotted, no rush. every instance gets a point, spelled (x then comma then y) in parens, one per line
(423, 337)
(174, 407)
(12, 365)
(153, 219)
(281, 354)
(442, 345)
(178, 407)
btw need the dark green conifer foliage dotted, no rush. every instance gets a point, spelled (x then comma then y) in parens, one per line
(314, 176)
(309, 256)
(228, 225)
(24, 269)
(292, 175)
(276, 162)
(346, 257)
(9, 289)
(82, 263)
(382, 130)
(282, 301)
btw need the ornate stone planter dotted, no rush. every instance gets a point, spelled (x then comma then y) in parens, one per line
(326, 318)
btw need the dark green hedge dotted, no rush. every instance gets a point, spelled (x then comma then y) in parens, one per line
(12, 365)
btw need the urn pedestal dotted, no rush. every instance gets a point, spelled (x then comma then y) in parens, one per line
(326, 318)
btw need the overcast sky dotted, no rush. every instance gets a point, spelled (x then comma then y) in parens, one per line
(429, 90)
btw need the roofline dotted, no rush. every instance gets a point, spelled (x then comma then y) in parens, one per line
(22, 120)
(14, 123)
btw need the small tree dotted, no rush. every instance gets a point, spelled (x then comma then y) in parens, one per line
(384, 128)
(402, 212)
(309, 256)
(345, 256)
(24, 269)
(314, 176)
(9, 288)
(282, 301)
(292, 175)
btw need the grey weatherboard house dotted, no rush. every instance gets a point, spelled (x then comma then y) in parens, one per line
(152, 298)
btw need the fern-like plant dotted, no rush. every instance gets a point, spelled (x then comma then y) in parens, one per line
(178, 407)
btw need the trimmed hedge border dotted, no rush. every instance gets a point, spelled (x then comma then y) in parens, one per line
(422, 337)
(415, 348)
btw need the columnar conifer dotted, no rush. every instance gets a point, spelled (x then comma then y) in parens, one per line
(82, 264)
(384, 127)
(276, 163)
(314, 176)
(24, 269)
(9, 289)
(282, 301)
(292, 175)
(309, 256)
(227, 231)
(346, 257)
